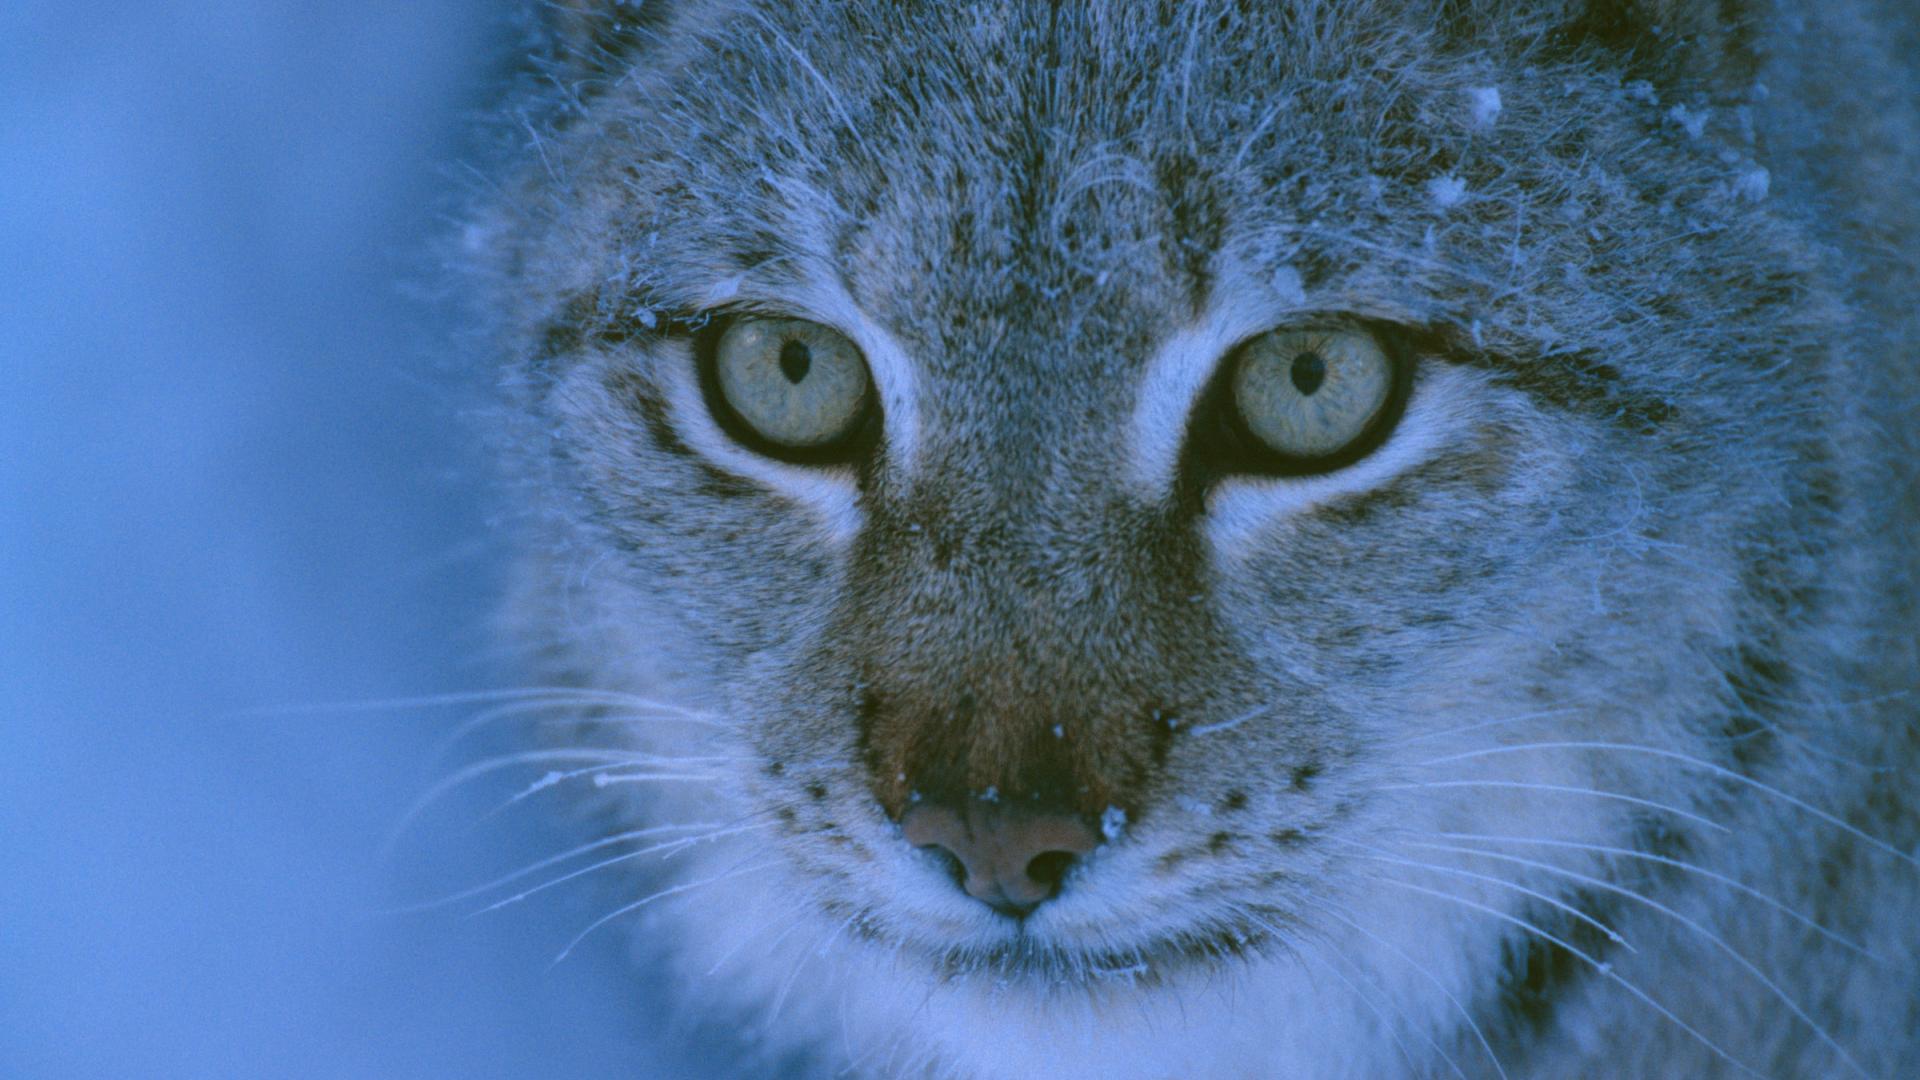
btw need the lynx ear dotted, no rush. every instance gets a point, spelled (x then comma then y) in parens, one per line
(1701, 43)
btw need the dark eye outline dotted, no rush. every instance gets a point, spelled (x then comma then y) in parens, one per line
(862, 436)
(1221, 444)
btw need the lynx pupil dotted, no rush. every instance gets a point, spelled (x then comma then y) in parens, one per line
(1308, 372)
(796, 360)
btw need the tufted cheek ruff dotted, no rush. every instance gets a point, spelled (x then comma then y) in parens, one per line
(1026, 663)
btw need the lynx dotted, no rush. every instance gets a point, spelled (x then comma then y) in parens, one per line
(1228, 539)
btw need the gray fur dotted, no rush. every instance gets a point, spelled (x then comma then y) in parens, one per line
(1655, 547)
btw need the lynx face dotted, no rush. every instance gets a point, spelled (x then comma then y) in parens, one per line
(1259, 538)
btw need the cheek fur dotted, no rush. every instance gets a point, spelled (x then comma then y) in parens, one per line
(1588, 688)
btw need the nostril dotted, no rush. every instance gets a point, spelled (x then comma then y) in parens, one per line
(1011, 860)
(956, 869)
(1049, 868)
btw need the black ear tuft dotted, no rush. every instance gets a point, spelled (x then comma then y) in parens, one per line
(1707, 44)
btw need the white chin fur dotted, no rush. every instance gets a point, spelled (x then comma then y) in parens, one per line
(1321, 1009)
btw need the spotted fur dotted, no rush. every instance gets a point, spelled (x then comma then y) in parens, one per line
(1569, 733)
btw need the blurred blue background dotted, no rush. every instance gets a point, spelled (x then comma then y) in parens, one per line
(236, 470)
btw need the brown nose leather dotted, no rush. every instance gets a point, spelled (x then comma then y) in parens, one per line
(1011, 858)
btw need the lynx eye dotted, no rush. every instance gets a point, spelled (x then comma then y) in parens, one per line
(790, 388)
(1311, 400)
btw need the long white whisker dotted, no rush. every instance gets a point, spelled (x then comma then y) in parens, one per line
(1686, 759)
(668, 847)
(1228, 725)
(506, 761)
(1424, 736)
(1824, 754)
(1328, 910)
(1393, 1030)
(603, 778)
(1396, 1007)
(1752, 969)
(745, 940)
(1557, 904)
(1324, 908)
(556, 777)
(1840, 705)
(1678, 864)
(562, 694)
(653, 897)
(1605, 970)
(659, 713)
(552, 860)
(772, 1015)
(1561, 789)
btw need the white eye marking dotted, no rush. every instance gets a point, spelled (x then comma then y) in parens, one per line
(891, 372)
(1442, 410)
(828, 493)
(795, 384)
(1186, 362)
(1311, 393)
(1175, 376)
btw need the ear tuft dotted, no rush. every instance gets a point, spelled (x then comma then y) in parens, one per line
(1701, 43)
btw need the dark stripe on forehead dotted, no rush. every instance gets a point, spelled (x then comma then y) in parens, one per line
(1197, 209)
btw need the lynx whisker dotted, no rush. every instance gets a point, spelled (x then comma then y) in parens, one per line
(554, 694)
(563, 712)
(1557, 904)
(1234, 722)
(607, 778)
(771, 1016)
(1465, 1015)
(1716, 940)
(550, 861)
(601, 757)
(1392, 1029)
(1406, 1020)
(1678, 864)
(601, 776)
(1605, 970)
(1814, 749)
(1720, 771)
(1560, 789)
(666, 849)
(651, 898)
(799, 916)
(1544, 714)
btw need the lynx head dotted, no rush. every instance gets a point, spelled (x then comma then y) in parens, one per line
(1130, 489)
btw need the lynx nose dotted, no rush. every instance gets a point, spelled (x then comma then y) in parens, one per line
(1011, 858)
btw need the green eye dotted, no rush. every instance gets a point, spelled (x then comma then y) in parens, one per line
(796, 388)
(1310, 395)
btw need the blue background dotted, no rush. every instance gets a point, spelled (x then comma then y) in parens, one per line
(237, 469)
